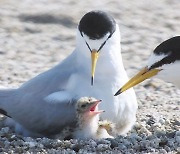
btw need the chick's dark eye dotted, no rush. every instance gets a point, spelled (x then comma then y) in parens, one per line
(83, 105)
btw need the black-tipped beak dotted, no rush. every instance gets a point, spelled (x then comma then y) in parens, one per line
(118, 92)
(94, 58)
(144, 74)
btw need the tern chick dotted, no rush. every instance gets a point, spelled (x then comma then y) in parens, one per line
(87, 118)
(106, 129)
(87, 121)
(164, 63)
(109, 126)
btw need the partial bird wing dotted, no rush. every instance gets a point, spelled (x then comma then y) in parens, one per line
(32, 104)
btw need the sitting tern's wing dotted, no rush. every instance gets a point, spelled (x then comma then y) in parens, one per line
(59, 97)
(31, 106)
(44, 115)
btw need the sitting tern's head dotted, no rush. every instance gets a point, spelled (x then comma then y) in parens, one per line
(163, 63)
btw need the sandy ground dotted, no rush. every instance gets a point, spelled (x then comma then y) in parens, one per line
(36, 35)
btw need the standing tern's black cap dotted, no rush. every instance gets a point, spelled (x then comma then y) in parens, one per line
(96, 24)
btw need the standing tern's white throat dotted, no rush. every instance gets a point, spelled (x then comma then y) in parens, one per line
(43, 104)
(164, 63)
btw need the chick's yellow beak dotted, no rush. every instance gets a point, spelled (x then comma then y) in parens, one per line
(144, 74)
(94, 58)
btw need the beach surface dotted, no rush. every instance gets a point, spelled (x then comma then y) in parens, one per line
(37, 35)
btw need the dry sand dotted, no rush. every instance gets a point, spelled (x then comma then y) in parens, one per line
(36, 35)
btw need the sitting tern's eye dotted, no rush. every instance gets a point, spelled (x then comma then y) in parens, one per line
(84, 105)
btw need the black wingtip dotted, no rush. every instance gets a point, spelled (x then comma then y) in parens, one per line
(3, 112)
(118, 92)
(92, 81)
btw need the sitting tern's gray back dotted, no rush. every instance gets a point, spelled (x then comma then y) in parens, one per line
(52, 80)
(30, 101)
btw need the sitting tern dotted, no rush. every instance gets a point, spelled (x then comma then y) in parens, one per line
(43, 105)
(164, 63)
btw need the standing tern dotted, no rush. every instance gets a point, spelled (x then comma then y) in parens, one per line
(164, 63)
(43, 105)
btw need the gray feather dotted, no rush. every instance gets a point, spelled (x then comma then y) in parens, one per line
(27, 104)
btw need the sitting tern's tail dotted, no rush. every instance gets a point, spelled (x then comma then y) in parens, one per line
(6, 96)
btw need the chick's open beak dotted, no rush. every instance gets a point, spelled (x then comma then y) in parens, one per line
(94, 58)
(93, 107)
(144, 74)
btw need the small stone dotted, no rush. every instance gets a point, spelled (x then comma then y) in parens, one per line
(92, 143)
(28, 139)
(170, 134)
(157, 125)
(177, 139)
(18, 150)
(13, 136)
(168, 149)
(67, 144)
(5, 130)
(114, 143)
(135, 136)
(122, 146)
(137, 126)
(167, 122)
(103, 141)
(17, 143)
(178, 149)
(162, 151)
(160, 133)
(162, 121)
(151, 121)
(76, 147)
(102, 147)
(171, 143)
(40, 145)
(144, 130)
(31, 144)
(178, 133)
(1, 144)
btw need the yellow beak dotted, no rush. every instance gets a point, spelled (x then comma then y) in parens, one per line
(94, 58)
(138, 78)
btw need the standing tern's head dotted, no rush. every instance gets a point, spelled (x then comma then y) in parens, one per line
(96, 28)
(164, 62)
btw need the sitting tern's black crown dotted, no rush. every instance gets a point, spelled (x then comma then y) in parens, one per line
(171, 48)
(96, 24)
